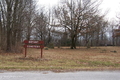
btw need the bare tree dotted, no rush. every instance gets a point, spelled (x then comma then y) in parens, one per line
(41, 25)
(13, 20)
(30, 19)
(3, 25)
(76, 17)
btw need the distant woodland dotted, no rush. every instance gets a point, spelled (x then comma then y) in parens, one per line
(71, 23)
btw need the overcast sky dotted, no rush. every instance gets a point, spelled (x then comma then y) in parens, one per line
(112, 6)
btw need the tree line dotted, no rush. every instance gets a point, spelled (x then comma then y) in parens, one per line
(71, 23)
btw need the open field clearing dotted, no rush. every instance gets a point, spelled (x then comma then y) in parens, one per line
(63, 59)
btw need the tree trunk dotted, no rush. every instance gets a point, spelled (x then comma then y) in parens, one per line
(0, 30)
(28, 31)
(28, 37)
(97, 41)
(88, 43)
(9, 12)
(73, 44)
(19, 36)
(8, 40)
(113, 41)
(3, 30)
(49, 37)
(41, 36)
(14, 38)
(14, 24)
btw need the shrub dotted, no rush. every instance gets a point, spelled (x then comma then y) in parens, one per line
(46, 48)
(51, 45)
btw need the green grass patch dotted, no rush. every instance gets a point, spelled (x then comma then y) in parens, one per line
(99, 63)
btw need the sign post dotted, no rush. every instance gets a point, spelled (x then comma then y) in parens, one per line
(25, 52)
(33, 44)
(41, 53)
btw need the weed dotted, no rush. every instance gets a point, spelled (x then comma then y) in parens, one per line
(114, 51)
(103, 51)
(51, 45)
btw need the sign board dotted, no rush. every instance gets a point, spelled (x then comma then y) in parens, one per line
(33, 44)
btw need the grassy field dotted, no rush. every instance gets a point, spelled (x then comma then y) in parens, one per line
(63, 59)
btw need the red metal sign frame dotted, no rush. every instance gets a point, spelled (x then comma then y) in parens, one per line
(33, 44)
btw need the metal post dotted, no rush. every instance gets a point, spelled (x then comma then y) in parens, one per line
(41, 52)
(25, 52)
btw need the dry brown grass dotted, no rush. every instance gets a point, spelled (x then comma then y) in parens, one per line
(95, 58)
